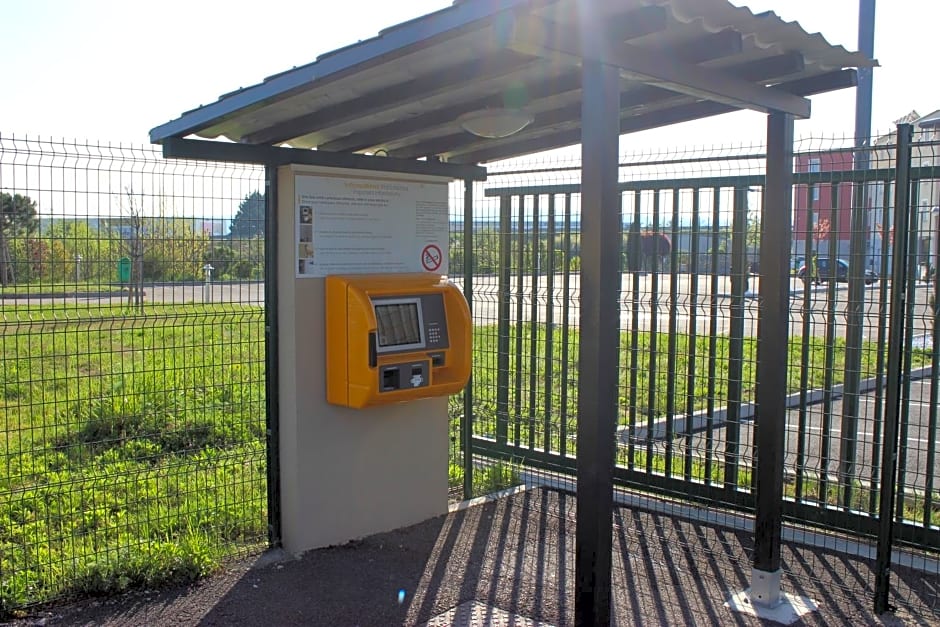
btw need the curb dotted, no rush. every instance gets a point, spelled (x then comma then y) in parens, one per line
(747, 411)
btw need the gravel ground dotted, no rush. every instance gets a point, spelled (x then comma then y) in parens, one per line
(515, 554)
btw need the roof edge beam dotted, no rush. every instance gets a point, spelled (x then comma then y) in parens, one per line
(822, 83)
(394, 43)
(536, 36)
(204, 150)
(830, 81)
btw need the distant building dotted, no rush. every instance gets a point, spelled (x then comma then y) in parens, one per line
(828, 205)
(823, 209)
(213, 228)
(924, 153)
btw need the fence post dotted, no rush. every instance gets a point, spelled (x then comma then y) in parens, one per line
(902, 190)
(271, 392)
(466, 423)
(549, 324)
(855, 322)
(772, 341)
(502, 341)
(650, 410)
(878, 418)
(565, 326)
(671, 351)
(533, 322)
(736, 341)
(909, 298)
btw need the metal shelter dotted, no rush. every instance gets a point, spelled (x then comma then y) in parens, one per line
(582, 71)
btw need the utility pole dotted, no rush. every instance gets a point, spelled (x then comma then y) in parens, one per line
(859, 250)
(863, 91)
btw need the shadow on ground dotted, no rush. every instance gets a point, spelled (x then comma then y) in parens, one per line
(516, 554)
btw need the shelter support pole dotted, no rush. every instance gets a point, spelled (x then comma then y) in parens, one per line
(772, 338)
(599, 340)
(764, 597)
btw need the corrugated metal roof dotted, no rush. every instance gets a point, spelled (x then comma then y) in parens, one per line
(403, 90)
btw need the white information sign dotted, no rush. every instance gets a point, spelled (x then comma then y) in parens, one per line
(370, 222)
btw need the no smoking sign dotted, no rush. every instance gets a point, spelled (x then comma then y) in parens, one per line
(431, 257)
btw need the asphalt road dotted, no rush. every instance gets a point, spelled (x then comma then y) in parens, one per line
(649, 314)
(816, 302)
(824, 439)
(242, 292)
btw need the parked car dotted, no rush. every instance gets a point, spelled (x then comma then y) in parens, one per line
(840, 271)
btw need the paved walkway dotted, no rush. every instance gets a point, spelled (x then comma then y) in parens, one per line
(515, 556)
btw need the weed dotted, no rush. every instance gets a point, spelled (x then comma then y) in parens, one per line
(487, 478)
(134, 450)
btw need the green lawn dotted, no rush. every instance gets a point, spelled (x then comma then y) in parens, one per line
(67, 287)
(133, 450)
(531, 397)
(133, 444)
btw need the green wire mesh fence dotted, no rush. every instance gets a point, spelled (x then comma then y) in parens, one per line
(132, 377)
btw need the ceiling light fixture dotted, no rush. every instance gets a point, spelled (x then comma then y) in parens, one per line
(495, 123)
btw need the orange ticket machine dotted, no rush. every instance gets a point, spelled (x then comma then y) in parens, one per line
(392, 338)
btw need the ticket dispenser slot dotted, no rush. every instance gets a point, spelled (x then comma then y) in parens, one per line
(392, 338)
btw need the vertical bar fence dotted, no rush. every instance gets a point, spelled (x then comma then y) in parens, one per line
(691, 270)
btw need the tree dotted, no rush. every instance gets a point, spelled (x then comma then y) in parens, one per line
(17, 219)
(753, 231)
(249, 221)
(65, 241)
(173, 248)
(132, 243)
(821, 230)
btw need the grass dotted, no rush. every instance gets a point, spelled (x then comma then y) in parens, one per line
(133, 443)
(532, 394)
(64, 287)
(812, 490)
(133, 450)
(487, 478)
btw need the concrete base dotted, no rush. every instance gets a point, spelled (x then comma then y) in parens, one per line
(787, 611)
(765, 600)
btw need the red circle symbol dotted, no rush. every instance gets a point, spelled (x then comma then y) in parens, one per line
(431, 257)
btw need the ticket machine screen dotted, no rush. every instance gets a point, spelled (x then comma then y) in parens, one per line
(399, 324)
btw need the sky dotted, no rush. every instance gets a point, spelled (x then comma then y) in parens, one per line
(111, 70)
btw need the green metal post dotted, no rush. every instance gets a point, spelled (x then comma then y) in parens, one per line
(466, 421)
(502, 342)
(736, 340)
(889, 464)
